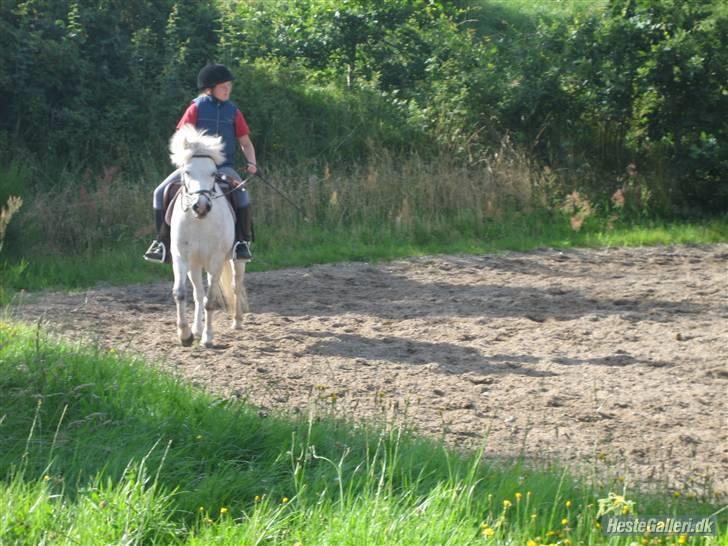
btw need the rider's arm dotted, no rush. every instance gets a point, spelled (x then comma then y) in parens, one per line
(242, 132)
(249, 150)
(190, 116)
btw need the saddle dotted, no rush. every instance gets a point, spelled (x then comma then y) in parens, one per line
(171, 193)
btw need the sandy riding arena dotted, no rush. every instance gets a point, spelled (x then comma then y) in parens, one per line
(609, 360)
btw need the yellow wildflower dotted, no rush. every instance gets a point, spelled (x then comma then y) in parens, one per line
(531, 542)
(223, 511)
(565, 521)
(682, 539)
(568, 504)
(518, 497)
(284, 500)
(257, 498)
(507, 504)
(488, 532)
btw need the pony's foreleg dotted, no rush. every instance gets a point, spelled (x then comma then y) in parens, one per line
(213, 278)
(240, 294)
(179, 291)
(198, 290)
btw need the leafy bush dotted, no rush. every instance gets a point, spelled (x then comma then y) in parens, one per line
(641, 82)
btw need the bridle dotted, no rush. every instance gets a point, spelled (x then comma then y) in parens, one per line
(213, 193)
(189, 196)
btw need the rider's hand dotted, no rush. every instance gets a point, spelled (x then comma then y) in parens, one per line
(251, 168)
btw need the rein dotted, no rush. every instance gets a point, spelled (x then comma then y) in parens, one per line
(241, 184)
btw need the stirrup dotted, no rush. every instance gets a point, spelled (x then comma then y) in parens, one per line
(157, 252)
(241, 251)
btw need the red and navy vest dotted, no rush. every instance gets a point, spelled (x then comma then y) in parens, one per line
(218, 118)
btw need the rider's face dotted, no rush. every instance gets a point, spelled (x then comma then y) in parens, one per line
(222, 91)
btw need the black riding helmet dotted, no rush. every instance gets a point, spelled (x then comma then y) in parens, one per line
(212, 74)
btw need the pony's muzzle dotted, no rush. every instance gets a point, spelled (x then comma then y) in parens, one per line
(201, 207)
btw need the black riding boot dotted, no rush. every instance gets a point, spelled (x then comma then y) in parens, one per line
(159, 249)
(243, 234)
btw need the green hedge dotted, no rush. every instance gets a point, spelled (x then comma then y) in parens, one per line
(642, 83)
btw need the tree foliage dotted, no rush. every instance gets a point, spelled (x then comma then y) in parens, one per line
(644, 83)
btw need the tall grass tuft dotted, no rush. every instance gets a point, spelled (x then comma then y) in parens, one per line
(406, 194)
(6, 214)
(83, 213)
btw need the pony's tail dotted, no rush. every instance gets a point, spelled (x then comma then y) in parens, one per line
(226, 288)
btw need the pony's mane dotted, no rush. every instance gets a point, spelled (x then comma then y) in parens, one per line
(188, 142)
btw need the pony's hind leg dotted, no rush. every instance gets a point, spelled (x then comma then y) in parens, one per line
(198, 290)
(179, 291)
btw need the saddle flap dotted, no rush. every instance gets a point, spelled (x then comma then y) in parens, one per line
(171, 193)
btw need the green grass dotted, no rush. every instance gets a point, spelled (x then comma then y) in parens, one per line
(306, 244)
(100, 448)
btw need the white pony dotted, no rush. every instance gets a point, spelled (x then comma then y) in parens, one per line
(203, 231)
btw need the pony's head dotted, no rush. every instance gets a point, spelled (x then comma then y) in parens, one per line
(198, 155)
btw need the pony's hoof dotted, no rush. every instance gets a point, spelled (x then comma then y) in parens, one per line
(208, 345)
(237, 324)
(188, 341)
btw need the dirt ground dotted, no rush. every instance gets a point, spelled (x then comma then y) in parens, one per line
(611, 361)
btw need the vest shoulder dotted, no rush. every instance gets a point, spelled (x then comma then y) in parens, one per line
(200, 100)
(207, 100)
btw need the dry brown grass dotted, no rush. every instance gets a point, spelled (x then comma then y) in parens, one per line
(6, 214)
(86, 215)
(400, 192)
